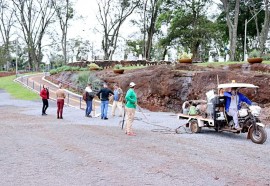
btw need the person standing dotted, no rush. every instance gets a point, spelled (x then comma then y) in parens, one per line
(131, 102)
(60, 96)
(89, 99)
(117, 100)
(103, 95)
(44, 94)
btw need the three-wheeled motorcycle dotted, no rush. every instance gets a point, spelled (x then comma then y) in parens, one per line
(216, 117)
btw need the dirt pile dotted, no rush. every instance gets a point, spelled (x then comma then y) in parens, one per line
(166, 87)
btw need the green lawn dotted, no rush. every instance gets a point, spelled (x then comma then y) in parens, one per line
(133, 67)
(215, 64)
(16, 90)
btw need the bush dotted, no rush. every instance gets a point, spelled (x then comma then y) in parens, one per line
(93, 65)
(53, 71)
(185, 55)
(118, 66)
(266, 57)
(254, 53)
(83, 78)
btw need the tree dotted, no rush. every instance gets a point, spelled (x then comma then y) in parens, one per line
(6, 23)
(189, 27)
(64, 13)
(232, 23)
(34, 17)
(111, 16)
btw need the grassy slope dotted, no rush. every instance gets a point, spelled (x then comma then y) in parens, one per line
(226, 63)
(16, 90)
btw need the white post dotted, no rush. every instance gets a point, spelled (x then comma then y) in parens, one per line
(16, 57)
(245, 42)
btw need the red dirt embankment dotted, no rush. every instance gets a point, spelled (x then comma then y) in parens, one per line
(166, 87)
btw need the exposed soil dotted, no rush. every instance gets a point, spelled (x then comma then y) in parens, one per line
(166, 87)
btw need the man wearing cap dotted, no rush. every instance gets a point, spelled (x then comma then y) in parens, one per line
(131, 102)
(233, 104)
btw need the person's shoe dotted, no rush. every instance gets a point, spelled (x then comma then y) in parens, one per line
(105, 118)
(101, 118)
(58, 118)
(131, 134)
(45, 114)
(61, 118)
(90, 116)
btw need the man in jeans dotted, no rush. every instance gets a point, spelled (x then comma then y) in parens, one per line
(131, 102)
(117, 100)
(103, 95)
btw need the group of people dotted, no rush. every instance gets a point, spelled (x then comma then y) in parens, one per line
(104, 95)
(233, 100)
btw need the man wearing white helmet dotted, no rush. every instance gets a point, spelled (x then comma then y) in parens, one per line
(131, 102)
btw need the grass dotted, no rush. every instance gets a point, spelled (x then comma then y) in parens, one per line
(216, 64)
(133, 67)
(16, 90)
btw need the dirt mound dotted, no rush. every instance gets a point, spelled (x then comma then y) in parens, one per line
(166, 87)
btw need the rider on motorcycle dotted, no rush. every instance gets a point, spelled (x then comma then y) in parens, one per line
(232, 104)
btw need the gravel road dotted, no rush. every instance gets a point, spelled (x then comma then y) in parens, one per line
(41, 150)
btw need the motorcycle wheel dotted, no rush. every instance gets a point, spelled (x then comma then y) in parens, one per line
(259, 137)
(194, 127)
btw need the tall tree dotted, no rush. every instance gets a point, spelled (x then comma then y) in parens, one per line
(111, 16)
(152, 16)
(34, 16)
(64, 12)
(265, 28)
(6, 23)
(232, 23)
(189, 26)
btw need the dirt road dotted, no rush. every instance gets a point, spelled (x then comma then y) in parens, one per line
(41, 150)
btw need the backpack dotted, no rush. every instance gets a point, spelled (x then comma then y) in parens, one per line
(84, 96)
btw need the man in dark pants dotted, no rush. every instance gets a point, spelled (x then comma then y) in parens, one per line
(103, 95)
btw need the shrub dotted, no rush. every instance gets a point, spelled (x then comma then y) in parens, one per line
(53, 71)
(254, 53)
(185, 55)
(266, 57)
(93, 65)
(118, 66)
(83, 78)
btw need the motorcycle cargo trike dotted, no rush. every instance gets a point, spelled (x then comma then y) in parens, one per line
(216, 117)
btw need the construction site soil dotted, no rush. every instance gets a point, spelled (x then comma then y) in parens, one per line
(166, 87)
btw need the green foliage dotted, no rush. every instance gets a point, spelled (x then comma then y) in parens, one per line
(16, 90)
(66, 68)
(254, 53)
(93, 65)
(266, 57)
(118, 66)
(83, 78)
(185, 55)
(53, 71)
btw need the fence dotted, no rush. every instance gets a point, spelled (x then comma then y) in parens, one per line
(73, 100)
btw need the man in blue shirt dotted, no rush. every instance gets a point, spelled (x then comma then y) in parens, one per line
(233, 104)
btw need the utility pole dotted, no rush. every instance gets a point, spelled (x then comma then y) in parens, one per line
(246, 22)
